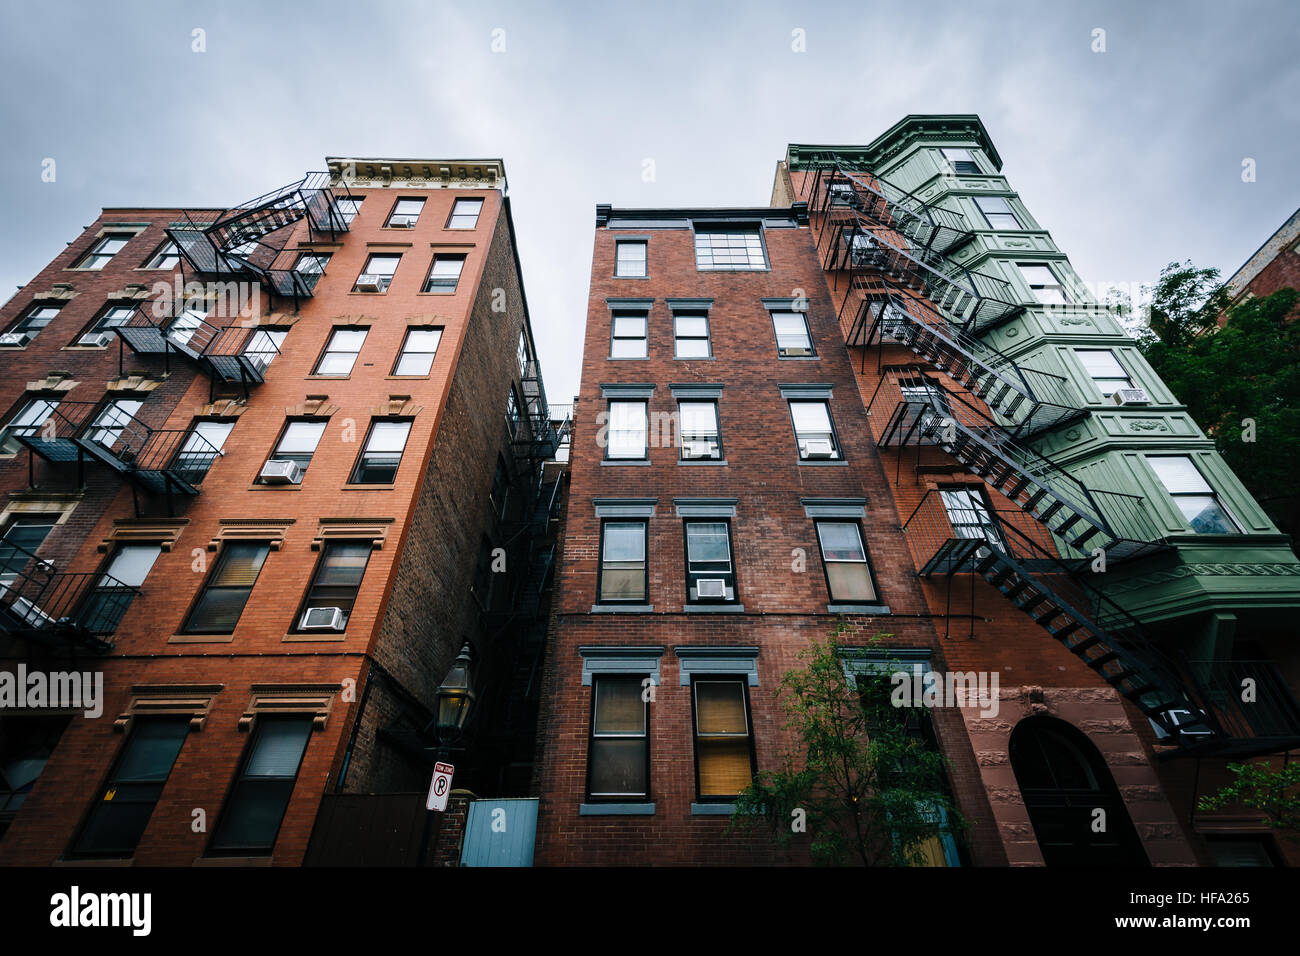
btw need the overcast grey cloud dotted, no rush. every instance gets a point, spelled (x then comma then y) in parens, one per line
(1131, 157)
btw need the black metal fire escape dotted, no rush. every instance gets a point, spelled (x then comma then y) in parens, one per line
(59, 609)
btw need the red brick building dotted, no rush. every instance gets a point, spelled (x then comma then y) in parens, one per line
(267, 469)
(1274, 265)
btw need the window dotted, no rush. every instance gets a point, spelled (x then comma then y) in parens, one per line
(627, 430)
(264, 345)
(997, 212)
(691, 335)
(927, 401)
(1104, 370)
(418, 351)
(334, 586)
(618, 760)
(312, 263)
(813, 431)
(166, 257)
(629, 334)
(970, 517)
(730, 248)
(260, 795)
(464, 214)
(1043, 283)
(223, 598)
(405, 214)
(792, 335)
(623, 562)
(523, 354)
(124, 806)
(724, 761)
(113, 419)
(341, 352)
(512, 411)
(21, 538)
(382, 453)
(102, 252)
(500, 488)
(348, 207)
(28, 421)
(26, 745)
(697, 425)
(848, 577)
(710, 575)
(112, 594)
(444, 274)
(483, 576)
(630, 260)
(201, 448)
(26, 328)
(962, 161)
(1192, 494)
(298, 442)
(114, 317)
(377, 276)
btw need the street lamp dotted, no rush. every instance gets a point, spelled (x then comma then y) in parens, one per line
(455, 696)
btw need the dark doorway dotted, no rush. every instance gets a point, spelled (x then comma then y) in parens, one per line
(1064, 781)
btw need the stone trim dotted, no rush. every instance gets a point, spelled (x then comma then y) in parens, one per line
(27, 504)
(54, 381)
(399, 406)
(251, 529)
(705, 661)
(59, 292)
(374, 530)
(314, 699)
(834, 507)
(164, 532)
(223, 408)
(705, 507)
(624, 507)
(169, 700)
(136, 382)
(316, 406)
(620, 659)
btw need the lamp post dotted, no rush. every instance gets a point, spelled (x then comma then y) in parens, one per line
(453, 701)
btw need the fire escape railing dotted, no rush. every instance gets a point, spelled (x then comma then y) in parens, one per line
(53, 607)
(1195, 707)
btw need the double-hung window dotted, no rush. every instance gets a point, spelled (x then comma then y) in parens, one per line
(844, 556)
(792, 336)
(962, 161)
(618, 757)
(167, 257)
(382, 452)
(691, 334)
(444, 273)
(227, 590)
(1043, 283)
(27, 421)
(710, 573)
(27, 327)
(405, 214)
(630, 259)
(103, 251)
(814, 433)
(340, 352)
(1197, 501)
(378, 273)
(264, 345)
(627, 431)
(115, 419)
(724, 752)
(334, 586)
(312, 263)
(623, 573)
(628, 335)
(697, 425)
(123, 807)
(298, 442)
(116, 586)
(927, 409)
(113, 317)
(970, 517)
(202, 447)
(418, 351)
(997, 212)
(464, 214)
(1104, 369)
(250, 820)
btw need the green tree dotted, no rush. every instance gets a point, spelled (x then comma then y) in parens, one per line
(1240, 381)
(865, 788)
(1258, 786)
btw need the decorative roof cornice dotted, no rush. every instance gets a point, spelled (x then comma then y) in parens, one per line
(377, 173)
(913, 128)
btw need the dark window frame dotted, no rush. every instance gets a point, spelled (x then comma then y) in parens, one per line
(428, 288)
(355, 476)
(876, 599)
(730, 228)
(25, 324)
(591, 738)
(404, 351)
(452, 216)
(720, 454)
(609, 421)
(645, 563)
(94, 255)
(645, 261)
(677, 338)
(807, 328)
(743, 681)
(273, 455)
(397, 203)
(730, 577)
(308, 601)
(386, 277)
(326, 350)
(189, 626)
(240, 778)
(837, 449)
(644, 315)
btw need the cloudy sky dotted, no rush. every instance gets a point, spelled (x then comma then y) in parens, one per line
(1131, 157)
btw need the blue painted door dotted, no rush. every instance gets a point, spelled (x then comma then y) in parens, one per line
(500, 833)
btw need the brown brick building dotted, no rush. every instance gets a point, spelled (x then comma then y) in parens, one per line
(267, 469)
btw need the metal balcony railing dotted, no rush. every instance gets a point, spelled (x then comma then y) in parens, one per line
(58, 608)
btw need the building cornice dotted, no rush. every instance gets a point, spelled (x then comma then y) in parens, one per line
(938, 127)
(380, 173)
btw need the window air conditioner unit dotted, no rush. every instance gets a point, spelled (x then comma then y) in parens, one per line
(369, 283)
(697, 449)
(15, 338)
(97, 339)
(711, 588)
(1180, 716)
(818, 448)
(277, 471)
(1131, 396)
(402, 222)
(841, 194)
(323, 619)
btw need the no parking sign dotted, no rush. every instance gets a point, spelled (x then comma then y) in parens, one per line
(440, 786)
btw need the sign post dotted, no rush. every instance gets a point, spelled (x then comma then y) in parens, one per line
(440, 786)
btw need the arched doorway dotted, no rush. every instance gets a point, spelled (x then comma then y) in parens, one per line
(1064, 780)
